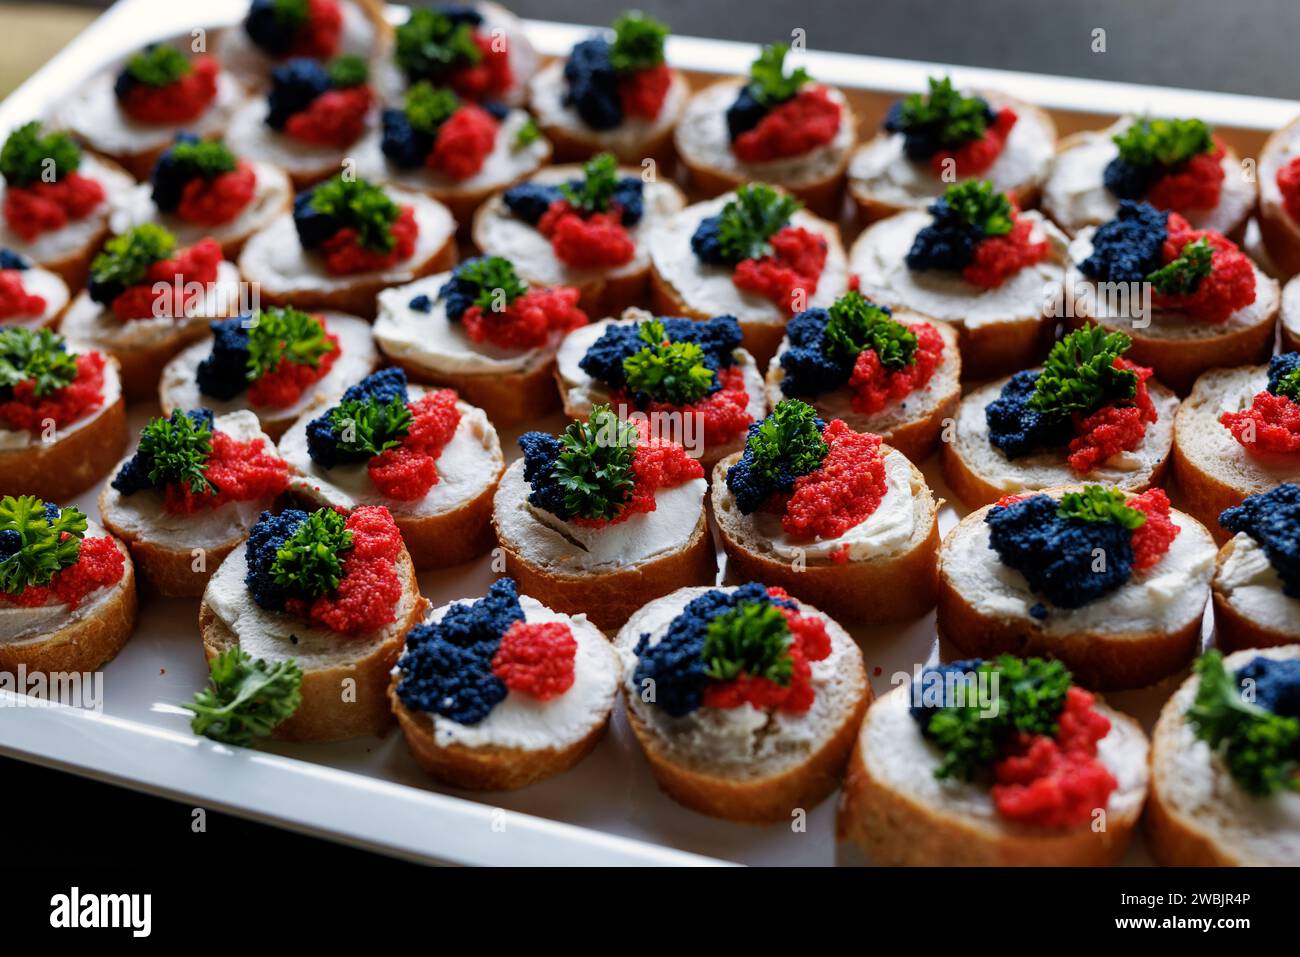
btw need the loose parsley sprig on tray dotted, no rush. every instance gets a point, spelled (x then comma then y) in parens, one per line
(285, 335)
(1080, 375)
(37, 541)
(177, 450)
(1183, 275)
(599, 180)
(747, 222)
(40, 356)
(769, 84)
(1163, 143)
(310, 562)
(245, 699)
(1096, 503)
(368, 426)
(359, 205)
(751, 639)
(672, 372)
(27, 154)
(857, 324)
(638, 42)
(594, 467)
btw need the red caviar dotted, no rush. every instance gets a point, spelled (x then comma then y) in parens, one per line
(491, 76)
(284, 385)
(406, 473)
(597, 241)
(344, 256)
(15, 300)
(724, 414)
(369, 591)
(789, 276)
(180, 101)
(808, 642)
(318, 38)
(642, 93)
(464, 142)
(1196, 184)
(798, 126)
(973, 158)
(1270, 426)
(1057, 782)
(100, 563)
(656, 463)
(1229, 286)
(874, 386)
(335, 118)
(1151, 540)
(529, 321)
(536, 658)
(843, 491)
(46, 207)
(182, 276)
(998, 258)
(1113, 428)
(241, 472)
(1288, 182)
(217, 201)
(23, 411)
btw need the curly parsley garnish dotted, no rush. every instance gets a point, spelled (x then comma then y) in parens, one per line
(125, 259)
(278, 335)
(498, 285)
(40, 356)
(638, 42)
(672, 372)
(310, 561)
(427, 107)
(1163, 143)
(747, 222)
(943, 116)
(206, 158)
(526, 135)
(245, 699)
(752, 639)
(1080, 375)
(368, 426)
(360, 205)
(1183, 275)
(348, 70)
(291, 13)
(27, 155)
(594, 467)
(37, 543)
(787, 442)
(599, 180)
(158, 65)
(430, 45)
(978, 204)
(1096, 503)
(176, 450)
(856, 324)
(769, 84)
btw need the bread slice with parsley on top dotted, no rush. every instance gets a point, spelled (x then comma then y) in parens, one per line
(602, 517)
(755, 254)
(614, 92)
(62, 416)
(1190, 299)
(1179, 165)
(1256, 585)
(776, 126)
(1224, 764)
(582, 226)
(893, 374)
(186, 497)
(690, 376)
(335, 592)
(347, 240)
(744, 700)
(932, 139)
(503, 692)
(481, 330)
(67, 589)
(1238, 434)
(431, 460)
(1111, 583)
(1088, 414)
(274, 362)
(998, 762)
(829, 514)
(971, 259)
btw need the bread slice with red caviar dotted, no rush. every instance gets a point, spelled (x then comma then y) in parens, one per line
(337, 594)
(1189, 299)
(890, 373)
(430, 459)
(594, 237)
(779, 259)
(1089, 414)
(634, 528)
(70, 599)
(926, 136)
(347, 240)
(760, 729)
(1279, 198)
(831, 515)
(1255, 588)
(1231, 440)
(502, 360)
(908, 801)
(779, 126)
(30, 296)
(188, 494)
(691, 379)
(63, 424)
(614, 93)
(1289, 316)
(1111, 583)
(546, 684)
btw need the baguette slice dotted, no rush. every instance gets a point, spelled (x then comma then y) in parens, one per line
(1214, 471)
(1250, 608)
(1198, 815)
(472, 756)
(89, 635)
(1280, 233)
(793, 764)
(914, 424)
(1132, 637)
(344, 677)
(1289, 316)
(980, 473)
(899, 814)
(879, 589)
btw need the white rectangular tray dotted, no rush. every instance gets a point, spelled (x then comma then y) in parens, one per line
(368, 792)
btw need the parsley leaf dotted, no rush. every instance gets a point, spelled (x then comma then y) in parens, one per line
(599, 179)
(944, 115)
(158, 65)
(1288, 384)
(672, 372)
(125, 259)
(1080, 375)
(498, 283)
(768, 82)
(747, 222)
(787, 442)
(856, 324)
(1164, 143)
(594, 467)
(310, 562)
(978, 204)
(526, 135)
(290, 13)
(430, 45)
(41, 546)
(1099, 504)
(278, 335)
(177, 451)
(360, 205)
(638, 42)
(206, 158)
(428, 107)
(369, 426)
(1183, 275)
(751, 639)
(245, 699)
(40, 356)
(27, 154)
(348, 70)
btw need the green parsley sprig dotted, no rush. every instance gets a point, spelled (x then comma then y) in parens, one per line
(752, 639)
(594, 467)
(291, 13)
(245, 699)
(427, 107)
(125, 259)
(1080, 375)
(285, 334)
(1183, 275)
(496, 279)
(769, 84)
(360, 205)
(27, 154)
(978, 204)
(856, 324)
(430, 45)
(158, 65)
(40, 356)
(526, 135)
(348, 70)
(944, 114)
(368, 426)
(599, 179)
(1163, 143)
(786, 443)
(672, 372)
(747, 222)
(176, 450)
(638, 42)
(310, 562)
(1288, 385)
(44, 546)
(1096, 503)
(206, 158)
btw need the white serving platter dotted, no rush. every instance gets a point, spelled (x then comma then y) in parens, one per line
(368, 792)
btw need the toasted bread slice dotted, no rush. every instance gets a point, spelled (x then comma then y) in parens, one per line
(344, 677)
(1198, 816)
(980, 473)
(884, 586)
(1250, 608)
(1289, 317)
(913, 424)
(1280, 232)
(1214, 471)
(900, 814)
(762, 775)
(1144, 631)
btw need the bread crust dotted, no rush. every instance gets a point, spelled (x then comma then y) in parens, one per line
(1279, 231)
(323, 715)
(908, 580)
(508, 398)
(60, 470)
(1234, 630)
